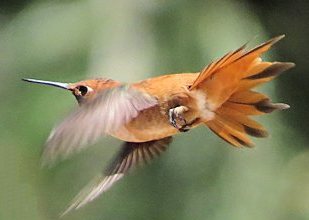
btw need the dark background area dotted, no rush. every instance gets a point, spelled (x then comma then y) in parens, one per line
(200, 176)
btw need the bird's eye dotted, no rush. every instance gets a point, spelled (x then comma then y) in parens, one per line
(83, 90)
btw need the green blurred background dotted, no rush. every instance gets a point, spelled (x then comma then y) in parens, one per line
(200, 177)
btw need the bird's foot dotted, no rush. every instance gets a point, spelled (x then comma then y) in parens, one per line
(177, 119)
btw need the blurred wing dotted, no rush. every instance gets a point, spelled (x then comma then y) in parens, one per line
(130, 156)
(110, 110)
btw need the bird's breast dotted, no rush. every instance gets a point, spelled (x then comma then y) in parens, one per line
(150, 124)
(153, 123)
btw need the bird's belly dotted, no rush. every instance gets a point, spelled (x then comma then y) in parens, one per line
(149, 125)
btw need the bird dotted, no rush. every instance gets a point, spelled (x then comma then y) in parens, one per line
(147, 114)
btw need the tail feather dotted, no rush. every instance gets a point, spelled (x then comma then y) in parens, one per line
(214, 66)
(247, 102)
(227, 85)
(235, 130)
(219, 82)
(229, 134)
(255, 131)
(245, 121)
(252, 103)
(246, 97)
(259, 74)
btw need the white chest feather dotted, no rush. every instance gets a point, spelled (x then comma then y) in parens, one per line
(204, 106)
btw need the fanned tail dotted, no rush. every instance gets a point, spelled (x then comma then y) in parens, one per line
(226, 85)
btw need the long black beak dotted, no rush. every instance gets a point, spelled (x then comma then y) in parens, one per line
(49, 83)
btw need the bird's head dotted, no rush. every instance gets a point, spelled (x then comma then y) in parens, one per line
(83, 90)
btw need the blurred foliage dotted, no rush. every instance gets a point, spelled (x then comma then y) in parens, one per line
(200, 177)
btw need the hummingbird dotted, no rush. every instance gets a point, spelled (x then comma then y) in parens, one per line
(146, 114)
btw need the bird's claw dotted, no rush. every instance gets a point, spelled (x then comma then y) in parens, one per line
(177, 120)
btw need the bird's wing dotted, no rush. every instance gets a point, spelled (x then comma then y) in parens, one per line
(130, 156)
(107, 112)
